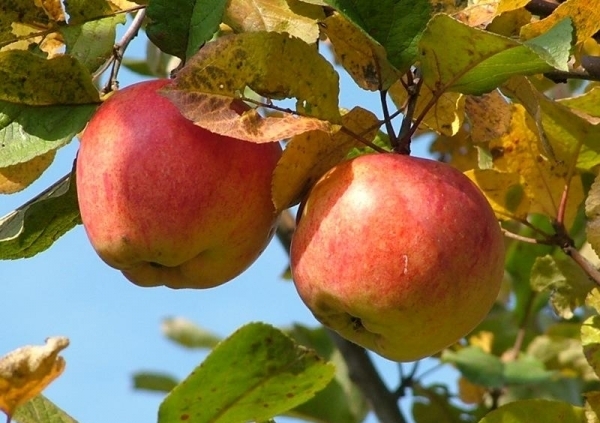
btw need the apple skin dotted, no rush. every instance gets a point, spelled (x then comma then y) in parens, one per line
(400, 255)
(168, 202)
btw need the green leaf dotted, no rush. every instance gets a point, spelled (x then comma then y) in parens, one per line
(188, 334)
(536, 410)
(395, 24)
(30, 131)
(341, 400)
(255, 374)
(478, 61)
(477, 366)
(151, 381)
(526, 370)
(590, 339)
(41, 410)
(84, 10)
(35, 226)
(567, 282)
(26, 78)
(92, 43)
(181, 27)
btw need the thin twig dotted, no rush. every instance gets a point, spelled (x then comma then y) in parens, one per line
(522, 238)
(119, 50)
(408, 129)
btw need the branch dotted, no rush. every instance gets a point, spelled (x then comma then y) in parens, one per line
(584, 263)
(361, 368)
(363, 373)
(119, 51)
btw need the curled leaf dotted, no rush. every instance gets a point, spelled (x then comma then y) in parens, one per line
(26, 371)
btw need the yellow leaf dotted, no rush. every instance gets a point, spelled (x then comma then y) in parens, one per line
(364, 59)
(294, 17)
(488, 116)
(40, 14)
(483, 339)
(562, 129)
(504, 191)
(592, 212)
(445, 117)
(26, 78)
(519, 152)
(585, 15)
(588, 103)
(308, 156)
(18, 177)
(26, 371)
(457, 150)
(509, 23)
(469, 393)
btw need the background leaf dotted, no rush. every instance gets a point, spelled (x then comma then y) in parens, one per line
(536, 410)
(267, 375)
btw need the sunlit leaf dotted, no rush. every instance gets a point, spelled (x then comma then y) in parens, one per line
(28, 12)
(37, 225)
(181, 27)
(587, 103)
(208, 88)
(267, 374)
(445, 116)
(395, 24)
(92, 43)
(19, 176)
(489, 116)
(294, 17)
(309, 155)
(26, 78)
(504, 191)
(567, 282)
(520, 152)
(41, 410)
(26, 371)
(567, 133)
(365, 60)
(188, 334)
(585, 15)
(478, 61)
(536, 410)
(592, 212)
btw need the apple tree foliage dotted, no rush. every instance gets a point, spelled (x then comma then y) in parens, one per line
(504, 90)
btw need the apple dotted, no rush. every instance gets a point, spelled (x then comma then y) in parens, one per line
(400, 255)
(168, 202)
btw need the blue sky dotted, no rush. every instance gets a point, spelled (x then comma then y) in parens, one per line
(114, 326)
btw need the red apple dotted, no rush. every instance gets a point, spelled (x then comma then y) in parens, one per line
(401, 255)
(168, 202)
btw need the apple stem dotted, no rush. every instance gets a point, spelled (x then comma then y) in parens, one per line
(387, 119)
(408, 128)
